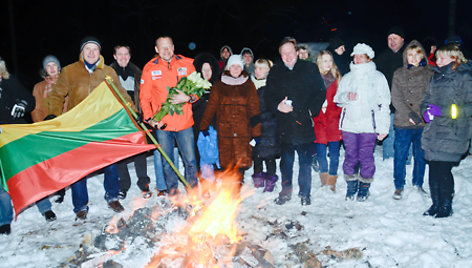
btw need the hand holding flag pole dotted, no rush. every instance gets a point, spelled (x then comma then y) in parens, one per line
(109, 82)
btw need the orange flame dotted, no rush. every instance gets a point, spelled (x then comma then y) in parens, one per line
(210, 234)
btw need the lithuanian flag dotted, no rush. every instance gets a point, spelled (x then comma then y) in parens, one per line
(38, 159)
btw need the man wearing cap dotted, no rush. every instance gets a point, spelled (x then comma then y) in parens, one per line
(161, 72)
(76, 81)
(294, 93)
(338, 49)
(387, 62)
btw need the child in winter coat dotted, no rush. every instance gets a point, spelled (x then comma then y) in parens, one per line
(447, 110)
(364, 95)
(327, 129)
(408, 89)
(267, 148)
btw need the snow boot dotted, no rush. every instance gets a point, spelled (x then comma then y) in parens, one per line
(5, 229)
(352, 186)
(49, 215)
(434, 192)
(270, 183)
(282, 199)
(61, 193)
(446, 193)
(332, 182)
(259, 179)
(363, 192)
(323, 178)
(305, 200)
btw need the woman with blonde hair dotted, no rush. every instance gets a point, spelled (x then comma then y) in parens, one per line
(327, 130)
(447, 110)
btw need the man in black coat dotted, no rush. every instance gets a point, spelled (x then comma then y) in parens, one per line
(294, 93)
(387, 62)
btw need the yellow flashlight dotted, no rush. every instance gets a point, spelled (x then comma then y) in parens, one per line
(454, 111)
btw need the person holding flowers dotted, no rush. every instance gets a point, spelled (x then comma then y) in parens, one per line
(170, 113)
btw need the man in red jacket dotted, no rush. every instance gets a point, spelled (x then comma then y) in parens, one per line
(161, 72)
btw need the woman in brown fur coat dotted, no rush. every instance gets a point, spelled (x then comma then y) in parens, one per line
(235, 103)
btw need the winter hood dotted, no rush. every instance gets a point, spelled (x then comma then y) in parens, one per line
(405, 52)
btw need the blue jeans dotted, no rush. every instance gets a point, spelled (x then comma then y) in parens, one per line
(387, 144)
(6, 208)
(304, 173)
(403, 138)
(110, 183)
(333, 155)
(186, 145)
(159, 171)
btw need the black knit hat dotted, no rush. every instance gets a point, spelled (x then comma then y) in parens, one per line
(335, 42)
(396, 30)
(90, 39)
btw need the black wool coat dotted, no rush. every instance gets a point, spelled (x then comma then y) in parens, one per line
(302, 85)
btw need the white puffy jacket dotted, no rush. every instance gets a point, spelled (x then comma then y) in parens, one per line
(370, 112)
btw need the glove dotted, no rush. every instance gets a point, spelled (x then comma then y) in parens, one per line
(49, 117)
(415, 117)
(19, 109)
(432, 111)
(205, 132)
(1, 130)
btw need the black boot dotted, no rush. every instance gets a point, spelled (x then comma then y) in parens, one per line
(61, 193)
(434, 191)
(5, 229)
(446, 193)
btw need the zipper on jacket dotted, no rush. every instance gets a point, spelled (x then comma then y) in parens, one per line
(342, 119)
(373, 120)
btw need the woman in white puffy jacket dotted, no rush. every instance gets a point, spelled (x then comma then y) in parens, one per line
(364, 95)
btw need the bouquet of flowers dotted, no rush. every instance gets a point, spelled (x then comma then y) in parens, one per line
(193, 84)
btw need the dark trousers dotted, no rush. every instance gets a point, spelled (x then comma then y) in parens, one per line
(304, 174)
(140, 165)
(270, 165)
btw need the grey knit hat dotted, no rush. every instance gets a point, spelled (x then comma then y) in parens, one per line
(51, 58)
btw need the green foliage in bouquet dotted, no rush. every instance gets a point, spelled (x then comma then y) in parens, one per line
(193, 84)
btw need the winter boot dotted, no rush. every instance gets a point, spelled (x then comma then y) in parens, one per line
(332, 181)
(49, 215)
(259, 179)
(61, 193)
(352, 186)
(363, 193)
(270, 183)
(434, 192)
(5, 229)
(323, 178)
(446, 193)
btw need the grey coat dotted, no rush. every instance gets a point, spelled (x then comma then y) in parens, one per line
(444, 138)
(408, 90)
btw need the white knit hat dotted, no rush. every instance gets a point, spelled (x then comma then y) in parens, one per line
(235, 59)
(362, 48)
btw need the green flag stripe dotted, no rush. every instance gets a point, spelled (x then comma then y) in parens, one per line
(33, 149)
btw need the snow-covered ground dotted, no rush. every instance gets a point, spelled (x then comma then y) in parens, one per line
(389, 233)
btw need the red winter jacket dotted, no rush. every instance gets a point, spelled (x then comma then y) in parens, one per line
(327, 123)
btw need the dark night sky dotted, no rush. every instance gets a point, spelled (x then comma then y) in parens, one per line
(56, 27)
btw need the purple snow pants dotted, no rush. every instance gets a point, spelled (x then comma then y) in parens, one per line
(359, 149)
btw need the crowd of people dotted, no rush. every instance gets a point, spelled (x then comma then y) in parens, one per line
(413, 99)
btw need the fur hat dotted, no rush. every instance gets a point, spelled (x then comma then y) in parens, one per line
(51, 58)
(90, 39)
(235, 59)
(396, 30)
(362, 48)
